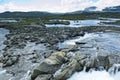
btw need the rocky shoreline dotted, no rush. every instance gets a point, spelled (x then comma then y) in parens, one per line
(53, 63)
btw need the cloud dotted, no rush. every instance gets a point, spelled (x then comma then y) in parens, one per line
(107, 3)
(72, 5)
(55, 5)
(13, 7)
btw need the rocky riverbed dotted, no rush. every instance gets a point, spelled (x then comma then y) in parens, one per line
(32, 52)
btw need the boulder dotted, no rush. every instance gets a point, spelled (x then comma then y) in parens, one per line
(102, 61)
(81, 33)
(75, 34)
(9, 61)
(44, 77)
(80, 43)
(1, 58)
(50, 65)
(65, 72)
(114, 69)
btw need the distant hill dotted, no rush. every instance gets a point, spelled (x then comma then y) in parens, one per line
(112, 9)
(25, 14)
(88, 13)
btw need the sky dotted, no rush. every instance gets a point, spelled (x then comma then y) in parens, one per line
(54, 5)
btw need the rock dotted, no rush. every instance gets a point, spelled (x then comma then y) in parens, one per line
(1, 58)
(44, 77)
(114, 58)
(89, 64)
(65, 72)
(1, 64)
(76, 63)
(9, 61)
(80, 43)
(74, 34)
(53, 41)
(114, 69)
(64, 36)
(103, 61)
(4, 59)
(27, 37)
(50, 65)
(81, 33)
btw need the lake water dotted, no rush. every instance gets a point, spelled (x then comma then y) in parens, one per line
(8, 21)
(89, 22)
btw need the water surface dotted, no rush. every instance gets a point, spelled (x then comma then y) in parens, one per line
(83, 23)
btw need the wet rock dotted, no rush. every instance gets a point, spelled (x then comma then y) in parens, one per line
(74, 34)
(114, 69)
(44, 77)
(81, 33)
(35, 61)
(53, 41)
(9, 61)
(1, 57)
(27, 37)
(114, 58)
(65, 72)
(43, 40)
(76, 63)
(50, 65)
(6, 42)
(80, 43)
(4, 59)
(89, 64)
(74, 49)
(103, 61)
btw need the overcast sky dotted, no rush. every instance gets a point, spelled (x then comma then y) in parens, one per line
(54, 5)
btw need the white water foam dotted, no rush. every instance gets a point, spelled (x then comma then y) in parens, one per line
(94, 75)
(72, 42)
(26, 76)
(85, 37)
(112, 74)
